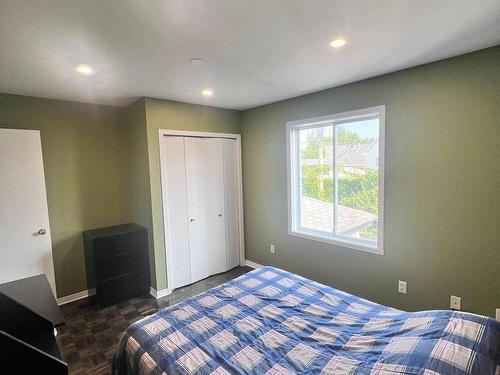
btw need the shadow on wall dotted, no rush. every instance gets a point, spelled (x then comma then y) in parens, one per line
(69, 263)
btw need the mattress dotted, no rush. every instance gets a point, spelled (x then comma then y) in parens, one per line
(270, 321)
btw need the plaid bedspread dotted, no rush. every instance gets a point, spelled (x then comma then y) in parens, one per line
(273, 322)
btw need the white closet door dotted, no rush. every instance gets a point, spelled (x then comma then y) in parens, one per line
(204, 176)
(214, 180)
(197, 207)
(231, 203)
(176, 210)
(201, 208)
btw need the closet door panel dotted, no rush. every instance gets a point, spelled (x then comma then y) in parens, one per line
(197, 207)
(231, 203)
(214, 183)
(176, 210)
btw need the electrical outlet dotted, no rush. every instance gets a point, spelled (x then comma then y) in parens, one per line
(271, 248)
(402, 287)
(455, 303)
(498, 315)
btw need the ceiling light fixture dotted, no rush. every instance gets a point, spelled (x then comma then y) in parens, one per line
(197, 61)
(207, 92)
(85, 69)
(338, 42)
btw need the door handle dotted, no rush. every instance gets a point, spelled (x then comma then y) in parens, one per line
(191, 220)
(220, 215)
(41, 232)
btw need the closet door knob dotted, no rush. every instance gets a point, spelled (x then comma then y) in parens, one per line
(220, 215)
(191, 220)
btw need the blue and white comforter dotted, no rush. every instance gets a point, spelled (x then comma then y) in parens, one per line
(273, 322)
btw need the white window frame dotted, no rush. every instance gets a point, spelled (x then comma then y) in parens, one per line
(293, 177)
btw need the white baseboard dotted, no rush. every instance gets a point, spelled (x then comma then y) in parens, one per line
(249, 263)
(72, 297)
(85, 293)
(160, 293)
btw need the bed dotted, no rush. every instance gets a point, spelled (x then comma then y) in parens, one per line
(273, 322)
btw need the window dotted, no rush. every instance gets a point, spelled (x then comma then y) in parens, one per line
(336, 178)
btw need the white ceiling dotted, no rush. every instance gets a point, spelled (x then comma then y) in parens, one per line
(256, 51)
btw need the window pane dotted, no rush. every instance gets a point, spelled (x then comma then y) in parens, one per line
(357, 179)
(316, 178)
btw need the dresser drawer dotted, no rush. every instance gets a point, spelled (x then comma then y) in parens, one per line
(120, 288)
(119, 244)
(119, 265)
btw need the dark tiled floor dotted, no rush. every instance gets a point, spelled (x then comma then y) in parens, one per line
(90, 336)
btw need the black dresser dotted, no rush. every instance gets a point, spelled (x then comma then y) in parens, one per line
(117, 263)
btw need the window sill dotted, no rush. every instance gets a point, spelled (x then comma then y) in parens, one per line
(336, 241)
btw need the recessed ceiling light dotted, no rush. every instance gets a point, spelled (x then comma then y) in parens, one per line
(338, 42)
(85, 69)
(207, 92)
(197, 61)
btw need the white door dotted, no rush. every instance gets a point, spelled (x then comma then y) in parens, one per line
(205, 195)
(214, 189)
(231, 203)
(25, 245)
(197, 208)
(173, 175)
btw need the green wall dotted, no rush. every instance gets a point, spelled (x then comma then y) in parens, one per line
(442, 178)
(84, 161)
(138, 203)
(164, 114)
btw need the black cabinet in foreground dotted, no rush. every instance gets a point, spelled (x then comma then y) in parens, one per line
(117, 263)
(28, 315)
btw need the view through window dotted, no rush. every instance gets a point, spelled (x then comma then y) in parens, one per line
(336, 178)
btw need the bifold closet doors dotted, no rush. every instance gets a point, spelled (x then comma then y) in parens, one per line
(201, 216)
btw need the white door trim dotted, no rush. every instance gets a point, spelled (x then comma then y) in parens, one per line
(239, 176)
